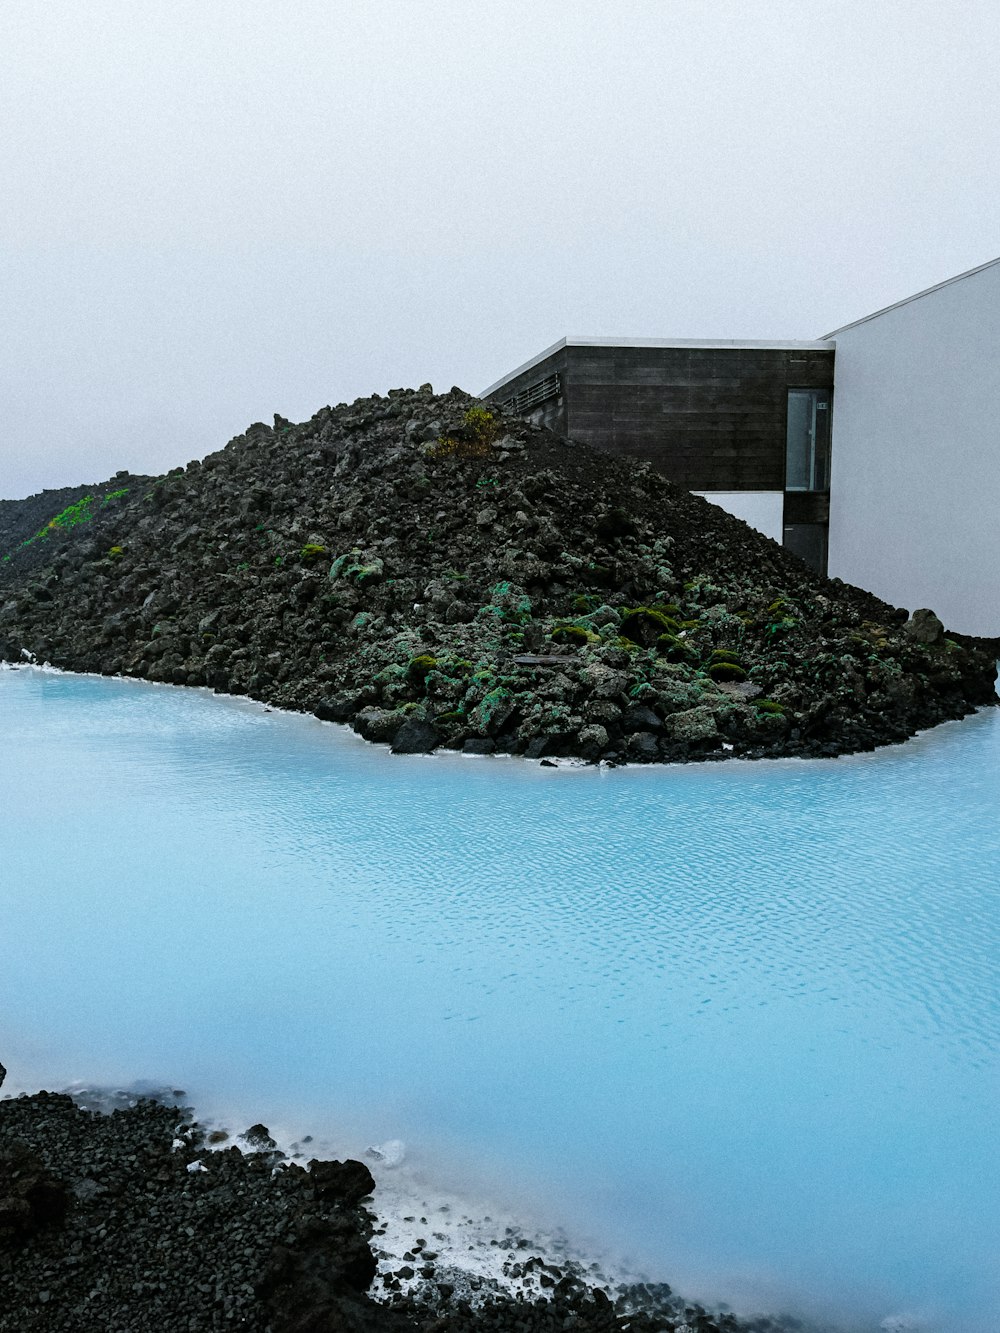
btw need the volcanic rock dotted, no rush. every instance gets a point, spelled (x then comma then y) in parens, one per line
(441, 574)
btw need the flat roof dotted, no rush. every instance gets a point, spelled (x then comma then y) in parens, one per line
(959, 277)
(730, 344)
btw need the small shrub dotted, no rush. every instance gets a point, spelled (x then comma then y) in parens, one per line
(474, 440)
(116, 553)
(313, 551)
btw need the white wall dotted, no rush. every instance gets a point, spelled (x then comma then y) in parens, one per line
(763, 510)
(915, 484)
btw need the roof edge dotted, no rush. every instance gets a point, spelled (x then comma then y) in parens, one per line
(969, 273)
(532, 361)
(731, 344)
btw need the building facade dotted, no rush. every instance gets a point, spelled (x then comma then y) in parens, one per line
(745, 424)
(915, 495)
(894, 487)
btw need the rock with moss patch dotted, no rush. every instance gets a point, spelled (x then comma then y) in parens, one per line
(691, 726)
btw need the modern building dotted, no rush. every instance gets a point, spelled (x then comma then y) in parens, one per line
(915, 494)
(895, 486)
(746, 424)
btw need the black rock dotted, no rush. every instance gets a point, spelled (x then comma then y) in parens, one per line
(258, 1138)
(479, 745)
(346, 1182)
(640, 718)
(415, 737)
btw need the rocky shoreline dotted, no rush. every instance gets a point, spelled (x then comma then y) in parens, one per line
(440, 575)
(140, 1219)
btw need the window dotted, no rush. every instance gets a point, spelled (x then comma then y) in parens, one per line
(807, 440)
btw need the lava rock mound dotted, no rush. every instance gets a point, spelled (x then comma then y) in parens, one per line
(439, 574)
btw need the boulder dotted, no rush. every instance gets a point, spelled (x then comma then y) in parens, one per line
(479, 745)
(924, 627)
(345, 1183)
(643, 746)
(691, 726)
(415, 737)
(641, 718)
(377, 724)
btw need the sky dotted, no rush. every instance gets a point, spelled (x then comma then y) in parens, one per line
(215, 210)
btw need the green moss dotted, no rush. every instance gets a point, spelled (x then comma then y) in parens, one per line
(493, 706)
(602, 576)
(70, 517)
(769, 706)
(726, 655)
(727, 671)
(644, 624)
(116, 553)
(675, 649)
(574, 634)
(455, 716)
(350, 566)
(313, 551)
(584, 603)
(419, 666)
(779, 627)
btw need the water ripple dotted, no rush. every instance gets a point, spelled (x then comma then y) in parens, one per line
(685, 991)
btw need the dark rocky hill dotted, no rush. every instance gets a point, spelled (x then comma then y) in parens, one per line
(438, 575)
(28, 526)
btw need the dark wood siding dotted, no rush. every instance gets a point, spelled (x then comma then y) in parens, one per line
(711, 419)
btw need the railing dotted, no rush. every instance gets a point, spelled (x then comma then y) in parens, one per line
(532, 396)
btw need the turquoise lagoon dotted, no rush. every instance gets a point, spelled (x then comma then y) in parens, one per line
(739, 1021)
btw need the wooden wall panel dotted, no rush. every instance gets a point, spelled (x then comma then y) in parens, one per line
(709, 418)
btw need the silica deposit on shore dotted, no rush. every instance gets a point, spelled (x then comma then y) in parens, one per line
(140, 1219)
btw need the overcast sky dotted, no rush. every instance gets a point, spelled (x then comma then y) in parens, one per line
(214, 210)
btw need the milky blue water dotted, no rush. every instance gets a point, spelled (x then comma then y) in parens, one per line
(740, 1020)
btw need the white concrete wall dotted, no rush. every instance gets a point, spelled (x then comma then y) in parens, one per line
(763, 510)
(915, 484)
